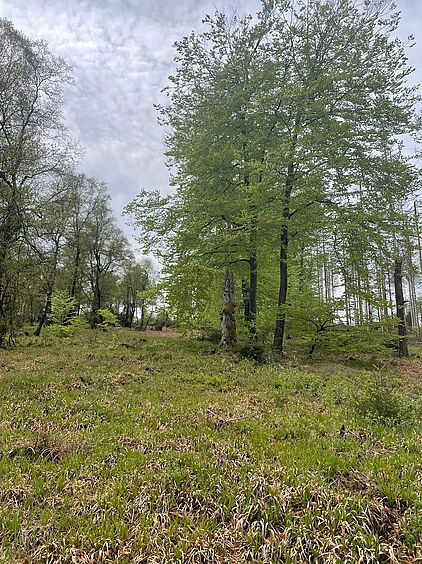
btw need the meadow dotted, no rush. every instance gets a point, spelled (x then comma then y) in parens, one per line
(126, 446)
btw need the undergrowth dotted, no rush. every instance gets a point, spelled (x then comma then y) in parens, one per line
(126, 447)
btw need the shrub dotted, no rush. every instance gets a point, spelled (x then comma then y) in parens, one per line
(209, 334)
(64, 320)
(62, 308)
(108, 318)
(253, 351)
(380, 401)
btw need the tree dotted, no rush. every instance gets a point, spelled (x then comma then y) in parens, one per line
(284, 133)
(342, 98)
(52, 234)
(108, 250)
(135, 280)
(33, 144)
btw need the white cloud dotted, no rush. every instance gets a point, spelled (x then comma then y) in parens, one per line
(122, 54)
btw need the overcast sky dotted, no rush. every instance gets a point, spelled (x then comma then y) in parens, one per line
(121, 52)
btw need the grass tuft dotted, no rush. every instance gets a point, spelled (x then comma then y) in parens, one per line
(121, 447)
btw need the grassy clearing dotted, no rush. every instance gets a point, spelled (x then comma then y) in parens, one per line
(122, 447)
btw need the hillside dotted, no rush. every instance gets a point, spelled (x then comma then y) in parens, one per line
(130, 447)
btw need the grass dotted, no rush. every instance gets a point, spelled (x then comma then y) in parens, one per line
(125, 447)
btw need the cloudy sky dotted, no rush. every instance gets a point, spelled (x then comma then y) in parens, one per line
(121, 52)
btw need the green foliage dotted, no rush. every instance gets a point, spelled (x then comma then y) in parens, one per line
(318, 325)
(310, 318)
(366, 339)
(124, 430)
(62, 308)
(64, 320)
(152, 296)
(285, 125)
(253, 351)
(380, 400)
(108, 318)
(209, 333)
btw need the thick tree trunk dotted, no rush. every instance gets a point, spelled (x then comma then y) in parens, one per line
(246, 301)
(414, 314)
(401, 326)
(75, 271)
(253, 268)
(228, 319)
(282, 297)
(9, 234)
(96, 303)
(131, 314)
(302, 268)
(45, 312)
(283, 270)
(74, 289)
(142, 320)
(253, 287)
(50, 287)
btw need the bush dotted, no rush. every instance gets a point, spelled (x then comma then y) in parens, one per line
(62, 309)
(108, 318)
(209, 334)
(253, 351)
(380, 401)
(64, 320)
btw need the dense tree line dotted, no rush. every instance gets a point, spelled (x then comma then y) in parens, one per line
(57, 230)
(286, 137)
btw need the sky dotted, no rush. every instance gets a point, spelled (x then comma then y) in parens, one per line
(122, 52)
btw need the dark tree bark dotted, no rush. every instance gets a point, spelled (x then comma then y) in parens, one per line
(96, 291)
(228, 319)
(245, 295)
(280, 323)
(401, 326)
(142, 319)
(49, 290)
(45, 311)
(251, 309)
(253, 279)
(76, 276)
(10, 231)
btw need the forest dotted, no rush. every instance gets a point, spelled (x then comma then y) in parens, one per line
(243, 383)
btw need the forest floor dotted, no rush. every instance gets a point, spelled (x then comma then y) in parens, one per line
(126, 447)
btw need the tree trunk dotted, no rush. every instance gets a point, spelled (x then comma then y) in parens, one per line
(142, 320)
(75, 270)
(228, 319)
(246, 301)
(282, 293)
(282, 297)
(253, 286)
(96, 304)
(401, 326)
(50, 287)
(75, 278)
(414, 314)
(253, 268)
(10, 230)
(46, 310)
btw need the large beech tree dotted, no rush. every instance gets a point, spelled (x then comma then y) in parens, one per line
(282, 129)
